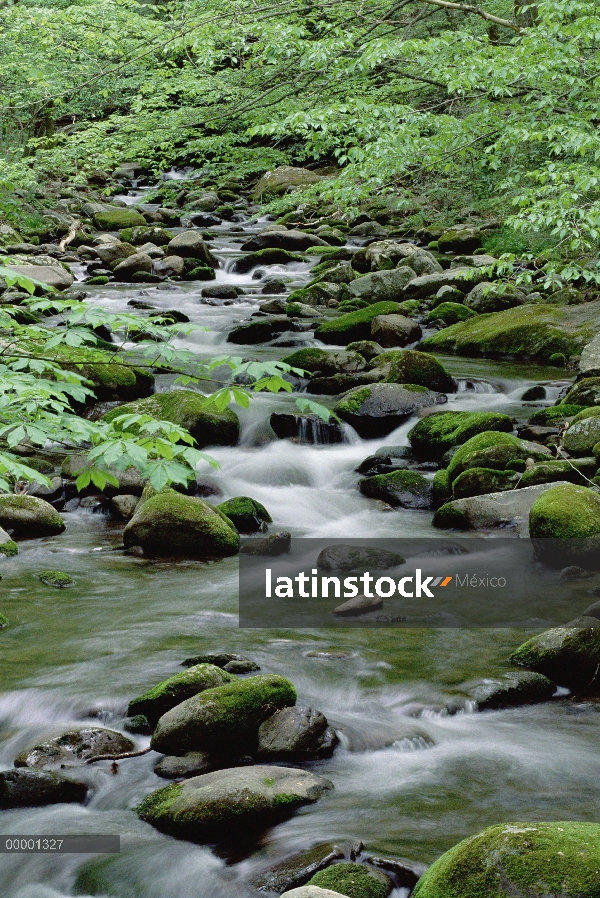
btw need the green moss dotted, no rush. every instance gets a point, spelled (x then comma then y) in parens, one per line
(547, 471)
(569, 655)
(158, 803)
(352, 305)
(433, 435)
(585, 392)
(247, 515)
(164, 696)
(556, 415)
(97, 281)
(490, 449)
(526, 332)
(449, 517)
(409, 307)
(354, 325)
(565, 511)
(353, 880)
(533, 859)
(398, 488)
(269, 256)
(411, 366)
(57, 579)
(3, 622)
(351, 405)
(9, 548)
(29, 516)
(115, 219)
(478, 481)
(450, 313)
(200, 272)
(441, 488)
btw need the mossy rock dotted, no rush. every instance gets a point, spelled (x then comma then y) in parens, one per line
(556, 469)
(353, 880)
(404, 489)
(556, 415)
(441, 488)
(3, 622)
(493, 449)
(583, 432)
(28, 516)
(565, 524)
(409, 366)
(460, 239)
(527, 332)
(432, 436)
(569, 656)
(478, 481)
(8, 546)
(57, 579)
(586, 392)
(326, 361)
(352, 305)
(450, 313)
(171, 524)
(201, 272)
(166, 695)
(148, 234)
(115, 218)
(544, 860)
(377, 409)
(272, 256)
(247, 515)
(354, 325)
(225, 718)
(187, 409)
(319, 294)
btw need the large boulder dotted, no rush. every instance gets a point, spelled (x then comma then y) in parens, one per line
(149, 234)
(138, 263)
(460, 239)
(378, 409)
(51, 275)
(294, 241)
(463, 279)
(190, 245)
(486, 297)
(509, 690)
(239, 799)
(583, 432)
(450, 313)
(114, 253)
(36, 788)
(187, 409)
(386, 254)
(296, 734)
(111, 379)
(247, 515)
(115, 218)
(178, 688)
(284, 179)
(266, 257)
(224, 718)
(8, 236)
(172, 524)
(530, 331)
(74, 748)
(404, 489)
(495, 450)
(28, 516)
(412, 367)
(519, 859)
(261, 330)
(327, 361)
(565, 525)
(394, 330)
(382, 286)
(433, 435)
(570, 655)
(508, 511)
(585, 392)
(354, 325)
(479, 481)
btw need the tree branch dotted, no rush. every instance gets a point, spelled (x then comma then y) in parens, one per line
(463, 7)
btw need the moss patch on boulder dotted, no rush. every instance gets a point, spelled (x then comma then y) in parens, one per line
(354, 325)
(493, 449)
(166, 695)
(246, 514)
(432, 436)
(56, 579)
(569, 656)
(28, 516)
(353, 880)
(409, 366)
(450, 313)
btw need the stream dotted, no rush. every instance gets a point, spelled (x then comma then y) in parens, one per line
(410, 779)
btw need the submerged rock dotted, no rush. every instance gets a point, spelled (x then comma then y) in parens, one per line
(36, 788)
(272, 545)
(296, 734)
(541, 859)
(510, 690)
(296, 870)
(224, 660)
(239, 799)
(166, 695)
(75, 748)
(223, 718)
(57, 579)
(306, 428)
(352, 558)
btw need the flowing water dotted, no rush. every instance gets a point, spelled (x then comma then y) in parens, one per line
(410, 780)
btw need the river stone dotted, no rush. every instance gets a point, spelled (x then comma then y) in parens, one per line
(166, 695)
(28, 516)
(589, 362)
(124, 505)
(193, 763)
(413, 367)
(8, 546)
(265, 257)
(353, 558)
(510, 690)
(296, 870)
(306, 428)
(487, 297)
(353, 326)
(230, 662)
(354, 880)
(574, 470)
(153, 234)
(125, 270)
(378, 409)
(113, 253)
(272, 545)
(426, 285)
(380, 286)
(169, 267)
(293, 241)
(449, 313)
(223, 718)
(519, 859)
(394, 330)
(570, 655)
(296, 734)
(241, 798)
(171, 524)
(433, 435)
(115, 218)
(584, 392)
(247, 515)
(403, 489)
(583, 432)
(8, 236)
(35, 788)
(564, 524)
(358, 605)
(326, 361)
(190, 245)
(261, 330)
(75, 748)
(309, 891)
(508, 510)
(479, 481)
(495, 450)
(51, 275)
(283, 179)
(187, 409)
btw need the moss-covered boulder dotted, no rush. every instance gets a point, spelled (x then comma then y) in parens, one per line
(190, 245)
(354, 325)
(265, 257)
(509, 690)
(583, 432)
(149, 234)
(556, 415)
(225, 718)
(56, 579)
(570, 656)
(565, 525)
(404, 489)
(395, 330)
(378, 409)
(585, 392)
(382, 286)
(73, 748)
(507, 510)
(433, 435)
(28, 516)
(409, 366)
(327, 361)
(354, 880)
(187, 409)
(519, 859)
(486, 297)
(463, 279)
(115, 218)
(460, 239)
(450, 313)
(496, 450)
(574, 471)
(526, 332)
(247, 515)
(8, 546)
(166, 695)
(261, 330)
(111, 380)
(238, 800)
(283, 179)
(171, 524)
(478, 481)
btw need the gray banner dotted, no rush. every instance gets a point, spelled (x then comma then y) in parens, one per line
(60, 844)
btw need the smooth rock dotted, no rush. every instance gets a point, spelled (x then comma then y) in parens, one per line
(74, 748)
(296, 734)
(36, 788)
